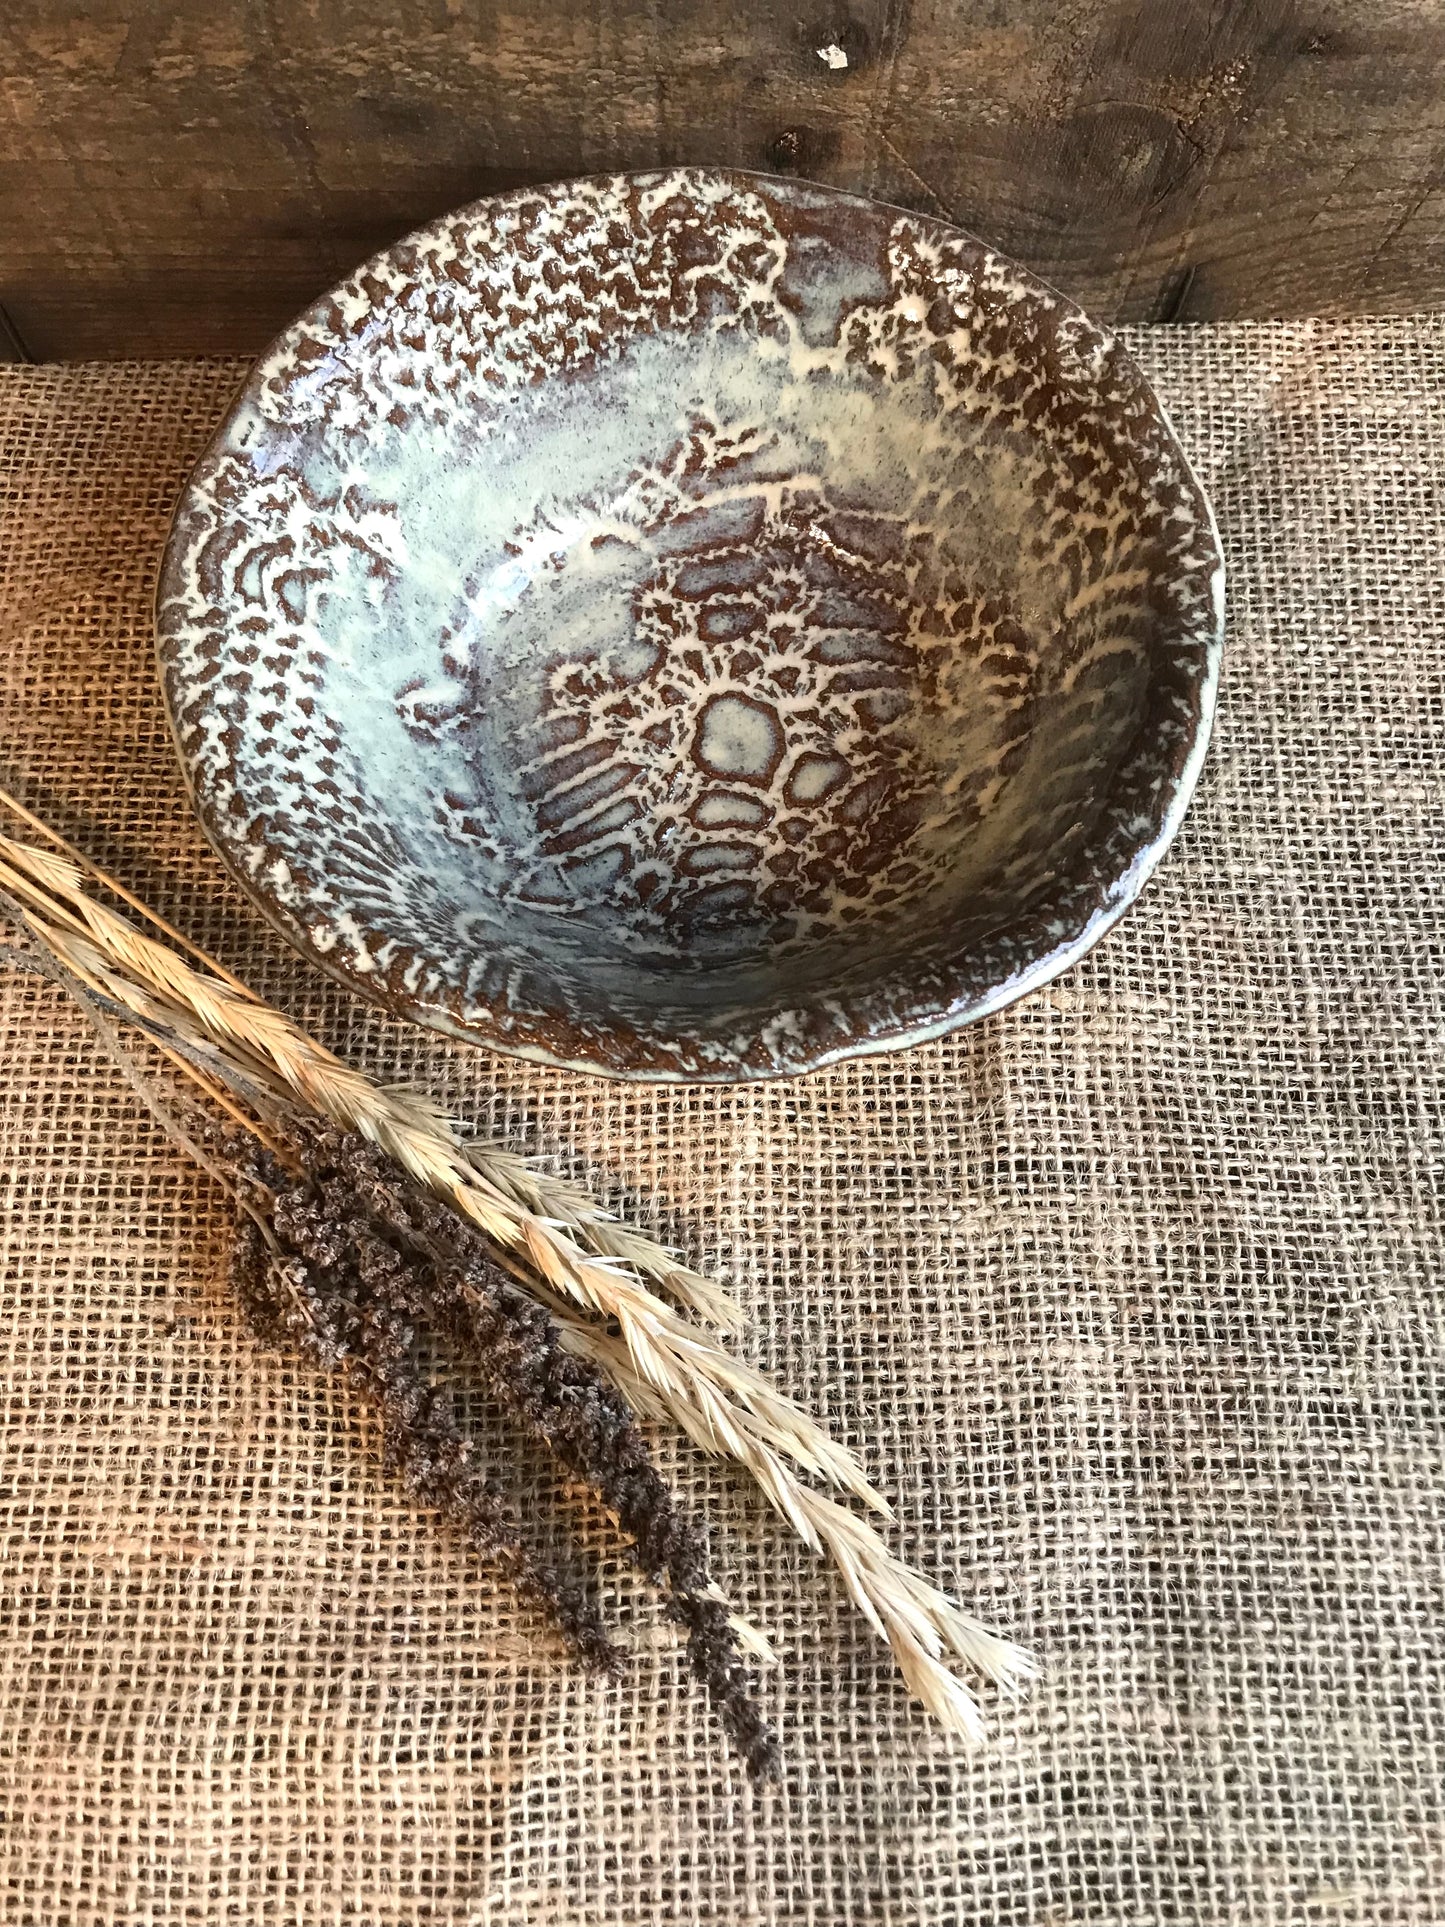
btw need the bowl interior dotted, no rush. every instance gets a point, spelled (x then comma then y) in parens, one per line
(636, 618)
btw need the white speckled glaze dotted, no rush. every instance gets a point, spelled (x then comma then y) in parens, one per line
(692, 625)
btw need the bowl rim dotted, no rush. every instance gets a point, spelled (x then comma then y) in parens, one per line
(968, 1007)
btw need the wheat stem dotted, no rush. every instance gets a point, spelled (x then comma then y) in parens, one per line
(108, 882)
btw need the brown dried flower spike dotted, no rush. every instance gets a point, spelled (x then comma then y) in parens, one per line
(365, 1218)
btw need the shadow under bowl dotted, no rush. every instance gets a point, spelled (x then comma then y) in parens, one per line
(692, 625)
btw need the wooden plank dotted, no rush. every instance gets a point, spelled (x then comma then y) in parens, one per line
(183, 180)
(12, 348)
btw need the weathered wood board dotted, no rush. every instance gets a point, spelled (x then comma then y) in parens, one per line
(177, 179)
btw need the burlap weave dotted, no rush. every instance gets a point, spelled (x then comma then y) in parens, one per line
(1128, 1297)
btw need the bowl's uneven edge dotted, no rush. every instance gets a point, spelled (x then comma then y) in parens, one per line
(485, 1028)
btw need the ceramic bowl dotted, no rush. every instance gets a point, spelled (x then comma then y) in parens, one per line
(692, 625)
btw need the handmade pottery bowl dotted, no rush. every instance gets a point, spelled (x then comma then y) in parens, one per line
(692, 625)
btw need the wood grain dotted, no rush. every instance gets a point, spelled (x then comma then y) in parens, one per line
(177, 181)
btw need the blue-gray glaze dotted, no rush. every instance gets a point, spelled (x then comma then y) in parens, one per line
(692, 625)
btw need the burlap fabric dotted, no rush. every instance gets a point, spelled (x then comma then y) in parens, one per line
(1127, 1297)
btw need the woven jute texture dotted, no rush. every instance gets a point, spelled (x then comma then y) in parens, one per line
(1129, 1298)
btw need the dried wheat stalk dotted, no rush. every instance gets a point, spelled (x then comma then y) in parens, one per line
(552, 1199)
(918, 1621)
(677, 1358)
(338, 1250)
(560, 1245)
(568, 1207)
